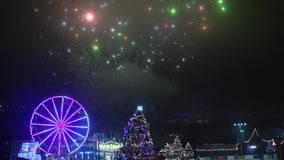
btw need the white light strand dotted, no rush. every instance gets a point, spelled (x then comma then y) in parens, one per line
(257, 134)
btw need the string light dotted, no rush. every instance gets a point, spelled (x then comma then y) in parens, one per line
(257, 134)
(217, 150)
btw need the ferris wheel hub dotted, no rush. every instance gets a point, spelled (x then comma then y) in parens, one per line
(61, 125)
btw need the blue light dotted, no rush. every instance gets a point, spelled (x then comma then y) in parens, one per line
(140, 108)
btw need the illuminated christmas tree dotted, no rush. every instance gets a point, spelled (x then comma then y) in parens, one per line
(188, 151)
(137, 142)
(177, 147)
(175, 151)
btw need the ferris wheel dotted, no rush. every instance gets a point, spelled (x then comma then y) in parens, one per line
(60, 124)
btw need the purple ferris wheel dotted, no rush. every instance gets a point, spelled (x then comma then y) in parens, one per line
(60, 124)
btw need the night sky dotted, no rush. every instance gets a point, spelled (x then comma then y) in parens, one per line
(177, 58)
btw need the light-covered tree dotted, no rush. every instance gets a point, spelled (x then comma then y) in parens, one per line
(137, 141)
(188, 151)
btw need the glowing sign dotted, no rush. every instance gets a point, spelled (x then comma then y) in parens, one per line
(110, 146)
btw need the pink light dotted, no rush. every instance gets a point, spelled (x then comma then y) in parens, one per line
(90, 17)
(166, 25)
(201, 8)
(61, 125)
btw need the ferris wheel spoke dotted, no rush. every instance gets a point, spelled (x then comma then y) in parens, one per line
(47, 137)
(64, 137)
(44, 117)
(62, 104)
(76, 120)
(40, 124)
(68, 110)
(54, 106)
(53, 139)
(75, 133)
(73, 114)
(77, 126)
(44, 131)
(48, 111)
(59, 142)
(42, 149)
(71, 137)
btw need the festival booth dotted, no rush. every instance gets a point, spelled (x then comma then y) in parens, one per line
(25, 150)
(258, 147)
(109, 150)
(95, 149)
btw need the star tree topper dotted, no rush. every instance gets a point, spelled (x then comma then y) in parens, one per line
(140, 108)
